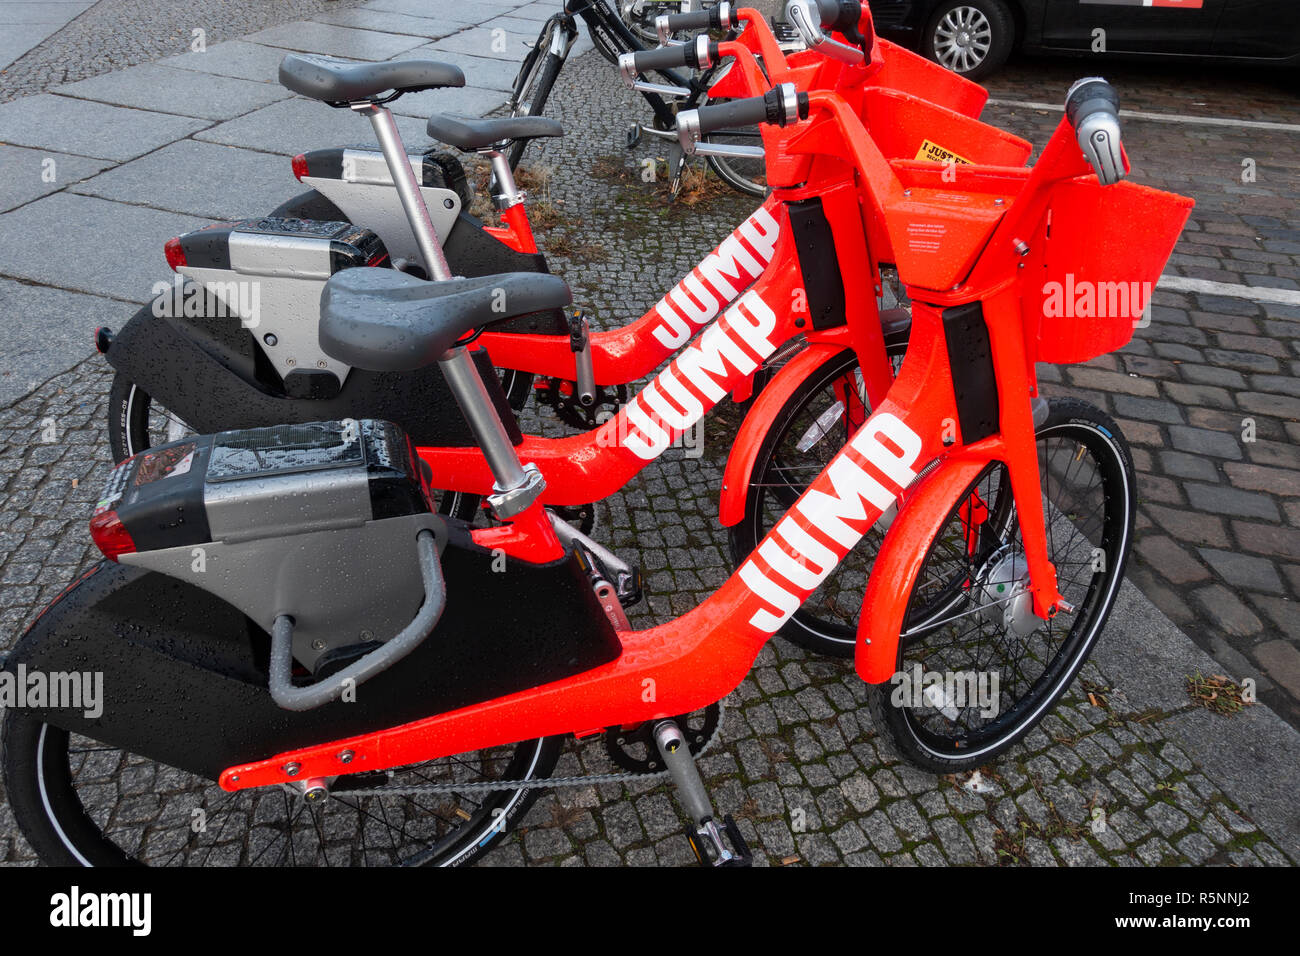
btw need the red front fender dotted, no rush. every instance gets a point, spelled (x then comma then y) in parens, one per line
(925, 509)
(757, 423)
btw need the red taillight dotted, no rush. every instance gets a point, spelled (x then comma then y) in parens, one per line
(300, 166)
(110, 535)
(175, 254)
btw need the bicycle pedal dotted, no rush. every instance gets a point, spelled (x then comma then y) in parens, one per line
(711, 849)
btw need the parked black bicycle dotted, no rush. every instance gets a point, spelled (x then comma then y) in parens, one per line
(613, 38)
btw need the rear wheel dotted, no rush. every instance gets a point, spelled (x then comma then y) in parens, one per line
(68, 793)
(989, 668)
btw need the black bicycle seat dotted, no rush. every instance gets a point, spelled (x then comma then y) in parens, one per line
(469, 134)
(338, 82)
(387, 321)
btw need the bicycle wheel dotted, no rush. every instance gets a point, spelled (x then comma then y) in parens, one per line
(969, 622)
(82, 803)
(533, 84)
(744, 175)
(813, 425)
(639, 16)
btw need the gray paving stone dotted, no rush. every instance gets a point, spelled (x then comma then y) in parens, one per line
(296, 125)
(326, 38)
(167, 89)
(32, 173)
(50, 330)
(67, 125)
(115, 249)
(237, 58)
(425, 27)
(497, 43)
(493, 73)
(462, 101)
(200, 179)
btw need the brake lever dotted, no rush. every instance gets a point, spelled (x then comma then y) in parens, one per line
(800, 14)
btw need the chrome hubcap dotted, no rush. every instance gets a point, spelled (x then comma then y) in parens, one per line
(962, 39)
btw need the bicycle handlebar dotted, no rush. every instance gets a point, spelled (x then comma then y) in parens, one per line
(721, 17)
(810, 16)
(1092, 107)
(780, 106)
(699, 54)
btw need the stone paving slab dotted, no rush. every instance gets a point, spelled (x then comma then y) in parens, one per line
(428, 27)
(237, 58)
(90, 245)
(199, 179)
(34, 351)
(25, 23)
(452, 9)
(166, 89)
(336, 41)
(28, 174)
(463, 101)
(68, 125)
(488, 42)
(296, 125)
(491, 73)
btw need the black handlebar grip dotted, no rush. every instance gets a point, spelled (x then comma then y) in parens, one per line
(1090, 96)
(663, 58)
(710, 19)
(829, 11)
(746, 112)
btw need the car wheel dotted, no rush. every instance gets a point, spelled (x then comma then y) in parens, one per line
(970, 37)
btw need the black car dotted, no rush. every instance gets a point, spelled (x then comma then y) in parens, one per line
(974, 37)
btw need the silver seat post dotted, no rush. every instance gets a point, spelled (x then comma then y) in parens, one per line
(505, 192)
(408, 189)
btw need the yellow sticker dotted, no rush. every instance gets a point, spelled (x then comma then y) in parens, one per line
(937, 154)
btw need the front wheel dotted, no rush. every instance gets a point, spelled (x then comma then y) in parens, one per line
(533, 85)
(976, 668)
(970, 37)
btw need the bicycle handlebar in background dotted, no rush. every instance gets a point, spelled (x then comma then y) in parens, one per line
(1092, 107)
(721, 17)
(698, 54)
(810, 16)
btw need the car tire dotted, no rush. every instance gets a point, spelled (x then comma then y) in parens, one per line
(973, 38)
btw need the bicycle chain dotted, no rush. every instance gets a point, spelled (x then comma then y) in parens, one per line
(424, 789)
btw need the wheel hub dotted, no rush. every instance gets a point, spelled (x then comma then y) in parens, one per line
(1003, 594)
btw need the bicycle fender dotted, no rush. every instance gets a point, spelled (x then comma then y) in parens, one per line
(744, 450)
(898, 563)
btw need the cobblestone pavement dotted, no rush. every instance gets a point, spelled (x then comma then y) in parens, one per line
(114, 34)
(1112, 776)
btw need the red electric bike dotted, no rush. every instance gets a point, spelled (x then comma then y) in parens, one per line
(1009, 528)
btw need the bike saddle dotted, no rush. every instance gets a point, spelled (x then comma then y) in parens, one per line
(470, 134)
(339, 82)
(383, 320)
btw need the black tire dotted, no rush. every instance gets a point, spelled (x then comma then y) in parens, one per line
(955, 623)
(136, 423)
(826, 624)
(973, 38)
(748, 176)
(308, 205)
(43, 766)
(642, 24)
(533, 84)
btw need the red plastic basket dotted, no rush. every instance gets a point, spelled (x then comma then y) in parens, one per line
(1095, 260)
(909, 72)
(906, 126)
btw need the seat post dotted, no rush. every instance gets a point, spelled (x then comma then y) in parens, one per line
(517, 485)
(408, 188)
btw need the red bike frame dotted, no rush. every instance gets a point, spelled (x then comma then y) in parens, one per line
(900, 456)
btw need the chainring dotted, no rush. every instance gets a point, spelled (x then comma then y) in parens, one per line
(634, 750)
(561, 395)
